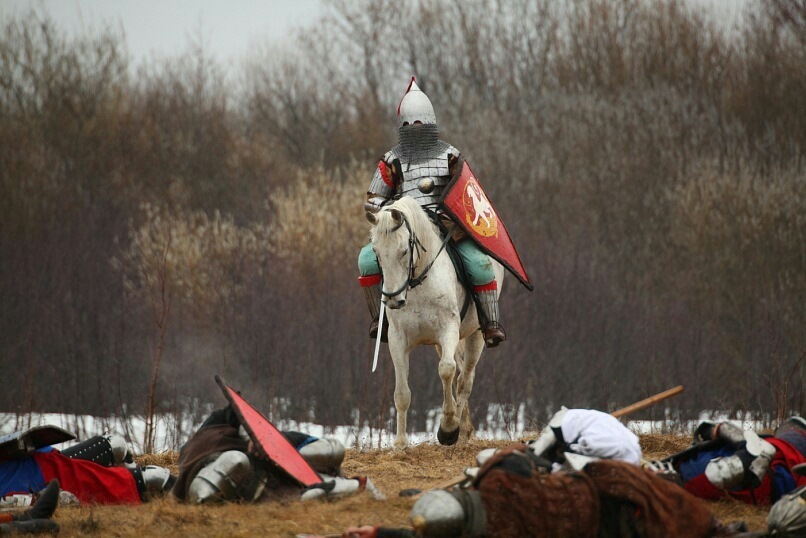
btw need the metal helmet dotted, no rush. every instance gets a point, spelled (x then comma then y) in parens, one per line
(415, 106)
(788, 516)
(440, 514)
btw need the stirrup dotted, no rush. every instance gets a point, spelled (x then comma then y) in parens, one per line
(494, 334)
(373, 331)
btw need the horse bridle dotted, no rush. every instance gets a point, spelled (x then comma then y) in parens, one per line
(414, 243)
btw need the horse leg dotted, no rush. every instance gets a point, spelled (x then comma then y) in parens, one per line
(473, 347)
(400, 359)
(448, 432)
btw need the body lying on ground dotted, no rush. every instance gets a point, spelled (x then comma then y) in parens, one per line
(579, 479)
(515, 494)
(726, 461)
(574, 437)
(219, 463)
(99, 470)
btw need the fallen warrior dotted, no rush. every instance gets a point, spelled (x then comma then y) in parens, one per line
(514, 494)
(727, 461)
(219, 463)
(99, 470)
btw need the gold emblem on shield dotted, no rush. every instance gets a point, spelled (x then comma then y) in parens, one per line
(479, 212)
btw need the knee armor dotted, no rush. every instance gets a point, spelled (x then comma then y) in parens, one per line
(745, 468)
(221, 480)
(324, 455)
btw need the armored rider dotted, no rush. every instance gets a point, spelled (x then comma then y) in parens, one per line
(421, 166)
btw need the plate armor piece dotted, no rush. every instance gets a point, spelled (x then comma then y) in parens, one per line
(424, 178)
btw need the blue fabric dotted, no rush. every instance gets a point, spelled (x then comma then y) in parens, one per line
(22, 475)
(477, 264)
(368, 262)
(696, 465)
(307, 441)
(782, 482)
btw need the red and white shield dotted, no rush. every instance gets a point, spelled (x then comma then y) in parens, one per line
(466, 202)
(268, 440)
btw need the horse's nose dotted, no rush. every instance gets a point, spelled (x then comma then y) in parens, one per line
(394, 304)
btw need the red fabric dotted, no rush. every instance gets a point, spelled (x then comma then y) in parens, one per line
(702, 488)
(487, 287)
(788, 455)
(369, 280)
(384, 170)
(90, 482)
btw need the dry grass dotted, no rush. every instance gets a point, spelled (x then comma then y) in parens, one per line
(419, 467)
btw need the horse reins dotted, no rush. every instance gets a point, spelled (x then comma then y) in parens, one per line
(414, 243)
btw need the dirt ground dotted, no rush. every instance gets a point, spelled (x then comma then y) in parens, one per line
(420, 467)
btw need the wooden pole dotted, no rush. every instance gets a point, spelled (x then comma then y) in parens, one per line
(643, 404)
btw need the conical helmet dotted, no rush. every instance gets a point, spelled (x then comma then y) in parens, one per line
(415, 106)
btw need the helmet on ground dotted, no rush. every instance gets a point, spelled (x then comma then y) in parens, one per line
(440, 513)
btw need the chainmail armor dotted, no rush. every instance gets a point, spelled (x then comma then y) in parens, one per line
(423, 161)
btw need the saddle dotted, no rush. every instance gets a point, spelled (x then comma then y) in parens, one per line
(458, 264)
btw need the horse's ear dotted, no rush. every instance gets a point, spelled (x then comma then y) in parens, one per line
(397, 216)
(372, 218)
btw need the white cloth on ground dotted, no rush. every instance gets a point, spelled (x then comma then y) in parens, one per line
(600, 435)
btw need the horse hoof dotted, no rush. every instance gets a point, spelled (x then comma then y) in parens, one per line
(447, 438)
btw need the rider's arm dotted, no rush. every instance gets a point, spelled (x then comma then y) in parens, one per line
(382, 188)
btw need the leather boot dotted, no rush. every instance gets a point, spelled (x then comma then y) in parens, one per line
(45, 505)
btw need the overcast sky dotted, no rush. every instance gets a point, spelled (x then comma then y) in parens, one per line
(162, 28)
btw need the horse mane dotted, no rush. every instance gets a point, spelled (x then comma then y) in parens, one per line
(420, 224)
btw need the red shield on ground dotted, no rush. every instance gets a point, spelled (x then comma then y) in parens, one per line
(268, 440)
(464, 200)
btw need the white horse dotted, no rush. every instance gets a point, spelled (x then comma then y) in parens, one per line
(419, 274)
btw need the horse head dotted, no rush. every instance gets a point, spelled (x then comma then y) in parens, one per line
(395, 245)
(390, 241)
